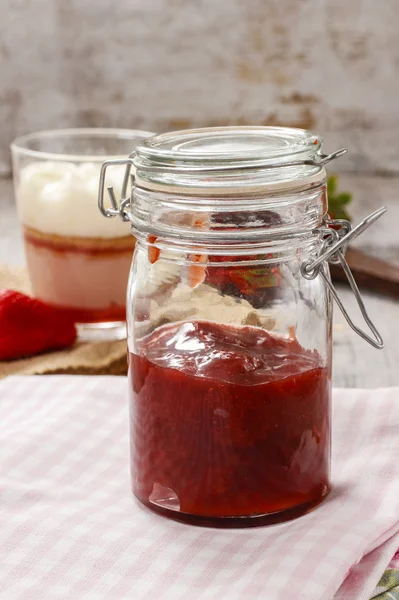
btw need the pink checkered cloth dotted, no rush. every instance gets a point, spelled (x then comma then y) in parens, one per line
(71, 529)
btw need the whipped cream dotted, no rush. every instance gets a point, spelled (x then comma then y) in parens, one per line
(60, 198)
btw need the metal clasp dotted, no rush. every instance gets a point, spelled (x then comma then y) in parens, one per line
(321, 159)
(121, 209)
(332, 250)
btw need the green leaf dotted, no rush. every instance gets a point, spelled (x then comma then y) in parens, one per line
(344, 197)
(337, 200)
(332, 181)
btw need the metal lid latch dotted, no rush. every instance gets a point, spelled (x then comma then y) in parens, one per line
(335, 241)
(117, 210)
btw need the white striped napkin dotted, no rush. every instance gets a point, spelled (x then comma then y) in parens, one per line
(70, 528)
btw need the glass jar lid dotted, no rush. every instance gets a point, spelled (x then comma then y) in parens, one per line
(229, 160)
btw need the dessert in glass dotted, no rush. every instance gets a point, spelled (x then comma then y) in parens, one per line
(76, 259)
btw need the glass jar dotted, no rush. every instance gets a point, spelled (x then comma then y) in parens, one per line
(229, 328)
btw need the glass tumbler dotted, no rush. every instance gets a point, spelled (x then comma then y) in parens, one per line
(76, 260)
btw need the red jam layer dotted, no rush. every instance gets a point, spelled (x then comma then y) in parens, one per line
(228, 423)
(111, 314)
(93, 247)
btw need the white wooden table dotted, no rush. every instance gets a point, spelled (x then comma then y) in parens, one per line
(356, 364)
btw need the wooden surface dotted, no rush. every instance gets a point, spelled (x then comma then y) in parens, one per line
(356, 364)
(371, 273)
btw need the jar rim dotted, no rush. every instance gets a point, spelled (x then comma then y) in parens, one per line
(229, 160)
(228, 144)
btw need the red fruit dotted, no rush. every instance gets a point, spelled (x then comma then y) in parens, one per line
(153, 251)
(29, 326)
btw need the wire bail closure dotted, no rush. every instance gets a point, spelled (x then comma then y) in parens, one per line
(333, 248)
(332, 251)
(121, 209)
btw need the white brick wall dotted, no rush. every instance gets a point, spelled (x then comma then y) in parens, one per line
(331, 65)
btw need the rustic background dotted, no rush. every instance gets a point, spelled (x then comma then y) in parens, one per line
(328, 65)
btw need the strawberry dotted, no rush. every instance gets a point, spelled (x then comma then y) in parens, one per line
(153, 251)
(196, 272)
(257, 284)
(29, 326)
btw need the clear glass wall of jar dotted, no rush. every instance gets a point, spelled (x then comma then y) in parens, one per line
(229, 344)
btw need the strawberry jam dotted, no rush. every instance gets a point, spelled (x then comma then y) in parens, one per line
(230, 425)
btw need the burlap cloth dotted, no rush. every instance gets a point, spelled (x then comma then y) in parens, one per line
(83, 358)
